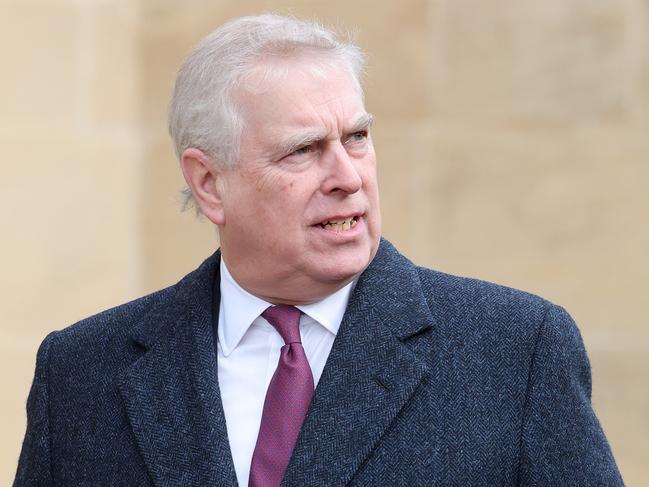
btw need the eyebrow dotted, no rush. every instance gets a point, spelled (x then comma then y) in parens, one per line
(364, 122)
(297, 141)
(291, 144)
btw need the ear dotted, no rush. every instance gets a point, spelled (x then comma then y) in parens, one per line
(205, 180)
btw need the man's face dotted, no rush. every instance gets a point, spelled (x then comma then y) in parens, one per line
(301, 209)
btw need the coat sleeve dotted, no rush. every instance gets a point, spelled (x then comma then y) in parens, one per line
(562, 440)
(34, 465)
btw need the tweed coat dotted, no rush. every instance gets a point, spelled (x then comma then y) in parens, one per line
(432, 380)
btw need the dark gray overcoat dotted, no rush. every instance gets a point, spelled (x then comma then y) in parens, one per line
(433, 380)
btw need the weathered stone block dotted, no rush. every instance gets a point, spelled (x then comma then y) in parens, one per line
(534, 62)
(39, 51)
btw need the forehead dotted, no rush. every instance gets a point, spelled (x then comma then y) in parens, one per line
(297, 93)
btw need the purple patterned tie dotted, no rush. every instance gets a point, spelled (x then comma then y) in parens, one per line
(287, 400)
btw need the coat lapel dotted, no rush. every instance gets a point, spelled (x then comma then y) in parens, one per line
(171, 392)
(370, 374)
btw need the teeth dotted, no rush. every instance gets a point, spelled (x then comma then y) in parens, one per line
(340, 225)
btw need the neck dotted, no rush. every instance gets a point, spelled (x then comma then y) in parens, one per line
(284, 289)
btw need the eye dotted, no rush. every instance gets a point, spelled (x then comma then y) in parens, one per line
(301, 154)
(303, 150)
(360, 136)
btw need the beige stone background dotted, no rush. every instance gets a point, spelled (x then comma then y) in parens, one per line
(513, 146)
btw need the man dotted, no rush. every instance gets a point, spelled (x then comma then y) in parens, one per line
(307, 350)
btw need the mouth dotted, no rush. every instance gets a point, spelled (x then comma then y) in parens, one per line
(340, 225)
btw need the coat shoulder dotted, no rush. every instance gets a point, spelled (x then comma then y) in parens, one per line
(114, 324)
(469, 309)
(489, 318)
(140, 320)
(473, 297)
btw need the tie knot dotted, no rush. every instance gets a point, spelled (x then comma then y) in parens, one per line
(286, 320)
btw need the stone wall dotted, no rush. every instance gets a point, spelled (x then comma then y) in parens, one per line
(512, 144)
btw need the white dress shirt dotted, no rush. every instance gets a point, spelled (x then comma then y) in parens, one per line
(248, 353)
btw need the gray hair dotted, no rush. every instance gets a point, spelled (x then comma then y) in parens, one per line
(202, 113)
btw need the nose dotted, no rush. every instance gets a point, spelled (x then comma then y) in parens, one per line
(341, 171)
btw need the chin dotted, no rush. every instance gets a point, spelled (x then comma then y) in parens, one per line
(346, 270)
(342, 263)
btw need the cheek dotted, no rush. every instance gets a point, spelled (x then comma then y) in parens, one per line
(283, 205)
(266, 181)
(370, 181)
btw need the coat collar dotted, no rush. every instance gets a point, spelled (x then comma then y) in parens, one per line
(171, 392)
(173, 400)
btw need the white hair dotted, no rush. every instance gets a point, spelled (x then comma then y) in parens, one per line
(202, 112)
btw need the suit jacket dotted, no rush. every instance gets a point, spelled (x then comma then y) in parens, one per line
(432, 380)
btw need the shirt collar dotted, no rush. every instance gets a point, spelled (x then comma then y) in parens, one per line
(329, 312)
(238, 309)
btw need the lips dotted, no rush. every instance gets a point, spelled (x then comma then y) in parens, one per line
(340, 225)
